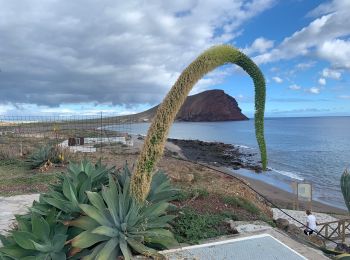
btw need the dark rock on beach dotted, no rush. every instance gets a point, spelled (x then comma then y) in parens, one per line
(217, 154)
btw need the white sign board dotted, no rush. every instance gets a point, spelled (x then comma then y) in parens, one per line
(304, 192)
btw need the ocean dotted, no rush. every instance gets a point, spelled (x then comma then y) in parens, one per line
(311, 149)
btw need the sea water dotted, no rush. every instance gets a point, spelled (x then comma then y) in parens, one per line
(312, 149)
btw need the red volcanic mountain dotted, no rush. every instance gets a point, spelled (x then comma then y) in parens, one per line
(210, 106)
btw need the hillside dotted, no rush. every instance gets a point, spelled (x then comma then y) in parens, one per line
(211, 105)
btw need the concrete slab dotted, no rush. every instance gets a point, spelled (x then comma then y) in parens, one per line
(262, 247)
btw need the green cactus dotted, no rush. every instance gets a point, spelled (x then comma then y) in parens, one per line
(154, 143)
(345, 187)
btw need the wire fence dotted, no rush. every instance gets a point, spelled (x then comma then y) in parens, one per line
(20, 135)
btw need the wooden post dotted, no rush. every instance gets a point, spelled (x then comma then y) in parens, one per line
(343, 231)
(326, 230)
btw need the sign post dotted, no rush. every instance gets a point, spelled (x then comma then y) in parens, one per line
(304, 193)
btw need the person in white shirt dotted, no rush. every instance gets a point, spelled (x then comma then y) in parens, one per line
(310, 223)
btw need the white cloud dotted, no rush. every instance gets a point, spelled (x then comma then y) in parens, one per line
(277, 79)
(344, 96)
(337, 52)
(259, 45)
(119, 52)
(294, 87)
(305, 65)
(314, 90)
(321, 37)
(322, 81)
(331, 73)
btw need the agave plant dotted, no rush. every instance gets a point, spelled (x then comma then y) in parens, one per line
(116, 224)
(345, 187)
(40, 156)
(71, 189)
(157, 133)
(161, 187)
(37, 239)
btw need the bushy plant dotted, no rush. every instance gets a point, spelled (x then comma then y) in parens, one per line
(191, 227)
(156, 137)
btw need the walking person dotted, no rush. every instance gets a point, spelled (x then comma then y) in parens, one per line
(310, 223)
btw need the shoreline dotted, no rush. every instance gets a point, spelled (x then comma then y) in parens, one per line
(231, 160)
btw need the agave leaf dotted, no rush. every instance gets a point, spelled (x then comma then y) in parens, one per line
(58, 241)
(105, 231)
(95, 252)
(15, 251)
(86, 239)
(95, 214)
(108, 249)
(160, 236)
(156, 209)
(59, 204)
(44, 248)
(40, 227)
(85, 186)
(125, 249)
(66, 188)
(132, 216)
(109, 195)
(83, 222)
(24, 238)
(58, 256)
(142, 249)
(23, 224)
(96, 200)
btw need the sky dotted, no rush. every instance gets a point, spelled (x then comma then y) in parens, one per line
(84, 57)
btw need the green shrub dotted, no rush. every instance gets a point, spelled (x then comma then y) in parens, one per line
(242, 203)
(345, 187)
(191, 227)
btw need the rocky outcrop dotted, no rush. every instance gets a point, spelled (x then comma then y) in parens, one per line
(211, 105)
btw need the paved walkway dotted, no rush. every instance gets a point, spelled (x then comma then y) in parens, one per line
(11, 206)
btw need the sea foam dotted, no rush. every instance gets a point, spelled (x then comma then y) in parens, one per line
(291, 175)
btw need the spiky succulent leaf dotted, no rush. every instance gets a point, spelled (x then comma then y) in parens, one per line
(42, 238)
(345, 187)
(122, 223)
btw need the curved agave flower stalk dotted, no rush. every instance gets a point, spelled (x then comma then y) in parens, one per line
(155, 141)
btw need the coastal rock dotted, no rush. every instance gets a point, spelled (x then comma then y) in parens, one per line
(232, 226)
(294, 230)
(282, 223)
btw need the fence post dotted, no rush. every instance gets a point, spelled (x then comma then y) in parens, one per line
(343, 231)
